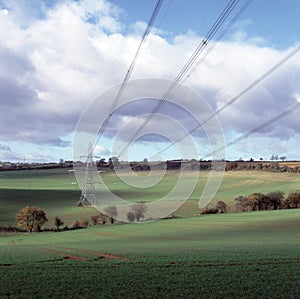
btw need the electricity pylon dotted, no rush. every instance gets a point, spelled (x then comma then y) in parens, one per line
(88, 193)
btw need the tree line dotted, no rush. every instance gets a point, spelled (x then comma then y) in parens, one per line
(32, 219)
(274, 200)
(193, 164)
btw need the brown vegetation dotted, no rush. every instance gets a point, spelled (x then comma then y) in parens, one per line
(31, 218)
(58, 222)
(271, 201)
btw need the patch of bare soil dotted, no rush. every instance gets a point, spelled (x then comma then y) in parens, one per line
(66, 255)
(102, 254)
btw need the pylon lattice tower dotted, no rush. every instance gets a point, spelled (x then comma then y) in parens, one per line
(88, 193)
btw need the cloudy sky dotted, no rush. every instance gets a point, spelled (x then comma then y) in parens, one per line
(58, 56)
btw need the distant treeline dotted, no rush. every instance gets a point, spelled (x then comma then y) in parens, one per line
(4, 166)
(202, 165)
(114, 163)
(264, 166)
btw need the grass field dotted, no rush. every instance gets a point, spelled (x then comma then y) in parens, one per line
(233, 255)
(53, 191)
(250, 255)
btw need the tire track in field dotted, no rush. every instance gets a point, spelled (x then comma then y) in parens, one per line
(60, 252)
(102, 254)
(17, 242)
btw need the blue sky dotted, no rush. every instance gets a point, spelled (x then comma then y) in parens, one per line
(57, 56)
(276, 21)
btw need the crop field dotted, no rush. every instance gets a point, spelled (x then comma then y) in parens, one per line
(55, 191)
(250, 255)
(231, 255)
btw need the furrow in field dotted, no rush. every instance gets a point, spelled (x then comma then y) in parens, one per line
(102, 254)
(65, 254)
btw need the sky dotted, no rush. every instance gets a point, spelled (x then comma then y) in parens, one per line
(58, 57)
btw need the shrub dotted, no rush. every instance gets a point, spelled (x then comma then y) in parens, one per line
(139, 210)
(292, 201)
(275, 199)
(112, 212)
(58, 222)
(256, 201)
(11, 229)
(221, 206)
(84, 222)
(210, 211)
(102, 218)
(130, 216)
(241, 204)
(76, 224)
(95, 219)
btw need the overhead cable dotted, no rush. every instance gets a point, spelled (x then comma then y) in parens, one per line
(266, 74)
(200, 48)
(131, 68)
(272, 120)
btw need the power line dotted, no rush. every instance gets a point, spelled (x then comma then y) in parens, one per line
(219, 38)
(242, 93)
(203, 44)
(257, 81)
(131, 68)
(200, 48)
(156, 28)
(274, 119)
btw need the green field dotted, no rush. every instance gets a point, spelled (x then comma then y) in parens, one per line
(250, 255)
(232, 255)
(54, 191)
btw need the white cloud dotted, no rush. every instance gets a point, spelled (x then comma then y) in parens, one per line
(54, 60)
(101, 151)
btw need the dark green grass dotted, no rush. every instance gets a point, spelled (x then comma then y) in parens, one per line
(152, 279)
(250, 255)
(54, 202)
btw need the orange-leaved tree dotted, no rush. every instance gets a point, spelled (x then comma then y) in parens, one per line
(31, 218)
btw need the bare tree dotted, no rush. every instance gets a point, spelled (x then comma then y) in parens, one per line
(139, 210)
(112, 212)
(58, 222)
(130, 216)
